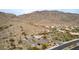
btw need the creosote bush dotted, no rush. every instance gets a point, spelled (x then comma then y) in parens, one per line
(44, 45)
(11, 40)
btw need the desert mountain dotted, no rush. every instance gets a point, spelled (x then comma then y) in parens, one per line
(37, 21)
(16, 32)
(51, 17)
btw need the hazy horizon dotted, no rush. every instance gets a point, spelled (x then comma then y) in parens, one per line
(25, 11)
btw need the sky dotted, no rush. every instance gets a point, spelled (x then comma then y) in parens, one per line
(25, 11)
(27, 6)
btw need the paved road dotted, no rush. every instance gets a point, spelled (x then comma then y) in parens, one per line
(76, 48)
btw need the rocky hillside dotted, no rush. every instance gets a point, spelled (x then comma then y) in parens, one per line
(37, 30)
(51, 17)
(5, 17)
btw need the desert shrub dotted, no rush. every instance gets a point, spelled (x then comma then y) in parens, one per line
(54, 30)
(62, 36)
(75, 29)
(11, 40)
(33, 48)
(20, 42)
(10, 25)
(44, 45)
(20, 48)
(4, 37)
(67, 36)
(45, 37)
(6, 40)
(23, 33)
(5, 27)
(1, 28)
(33, 40)
(39, 44)
(21, 28)
(12, 46)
